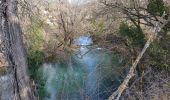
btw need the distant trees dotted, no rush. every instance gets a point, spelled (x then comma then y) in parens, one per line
(71, 20)
(140, 12)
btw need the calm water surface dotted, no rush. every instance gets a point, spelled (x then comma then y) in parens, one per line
(89, 74)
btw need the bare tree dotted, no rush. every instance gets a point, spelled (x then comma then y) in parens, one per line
(138, 14)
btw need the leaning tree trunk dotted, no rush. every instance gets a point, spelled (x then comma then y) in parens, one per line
(14, 48)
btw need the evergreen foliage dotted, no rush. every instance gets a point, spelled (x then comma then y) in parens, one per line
(156, 7)
(133, 34)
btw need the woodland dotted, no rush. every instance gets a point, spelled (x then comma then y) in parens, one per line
(84, 49)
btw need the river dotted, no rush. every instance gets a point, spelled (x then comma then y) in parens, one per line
(89, 74)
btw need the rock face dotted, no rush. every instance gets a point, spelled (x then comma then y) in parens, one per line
(6, 87)
(15, 85)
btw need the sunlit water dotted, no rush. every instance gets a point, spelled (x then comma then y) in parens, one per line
(89, 74)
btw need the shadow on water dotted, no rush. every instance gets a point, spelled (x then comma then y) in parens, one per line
(90, 74)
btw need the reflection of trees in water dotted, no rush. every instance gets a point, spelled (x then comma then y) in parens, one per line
(92, 77)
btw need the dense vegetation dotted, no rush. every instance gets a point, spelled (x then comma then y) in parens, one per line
(155, 57)
(122, 28)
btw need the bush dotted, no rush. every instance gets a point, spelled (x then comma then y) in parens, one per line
(34, 37)
(35, 60)
(35, 55)
(159, 56)
(156, 7)
(133, 34)
(34, 40)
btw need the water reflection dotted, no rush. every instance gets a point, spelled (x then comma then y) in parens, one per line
(93, 76)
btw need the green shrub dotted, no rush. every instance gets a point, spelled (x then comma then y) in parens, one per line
(35, 55)
(159, 56)
(35, 60)
(34, 40)
(133, 34)
(34, 35)
(156, 7)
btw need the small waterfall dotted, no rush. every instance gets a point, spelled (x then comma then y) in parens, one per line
(83, 41)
